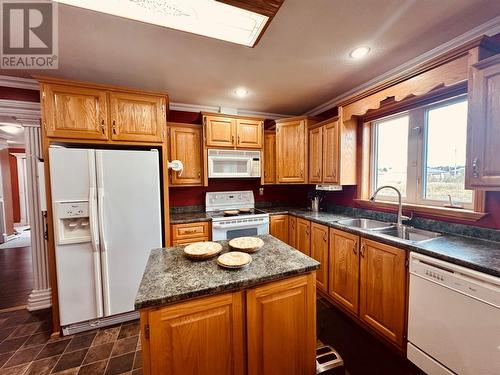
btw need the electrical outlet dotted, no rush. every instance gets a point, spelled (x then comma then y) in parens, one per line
(261, 191)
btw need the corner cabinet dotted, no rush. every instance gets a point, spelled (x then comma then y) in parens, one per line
(292, 150)
(269, 157)
(483, 129)
(382, 289)
(79, 110)
(233, 131)
(185, 145)
(278, 227)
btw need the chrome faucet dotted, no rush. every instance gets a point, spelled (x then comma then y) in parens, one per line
(400, 204)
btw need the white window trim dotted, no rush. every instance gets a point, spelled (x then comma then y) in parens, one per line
(417, 131)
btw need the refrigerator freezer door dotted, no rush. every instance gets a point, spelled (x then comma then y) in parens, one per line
(128, 184)
(77, 265)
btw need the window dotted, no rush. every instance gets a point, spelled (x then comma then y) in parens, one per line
(422, 153)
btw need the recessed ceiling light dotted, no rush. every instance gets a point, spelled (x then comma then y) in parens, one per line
(359, 52)
(241, 92)
(209, 18)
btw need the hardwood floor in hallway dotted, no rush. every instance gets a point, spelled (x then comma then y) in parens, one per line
(16, 276)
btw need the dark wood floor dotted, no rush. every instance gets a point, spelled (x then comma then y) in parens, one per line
(16, 276)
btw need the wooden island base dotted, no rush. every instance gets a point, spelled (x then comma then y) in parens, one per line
(263, 330)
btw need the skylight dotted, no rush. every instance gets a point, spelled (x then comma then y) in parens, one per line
(203, 17)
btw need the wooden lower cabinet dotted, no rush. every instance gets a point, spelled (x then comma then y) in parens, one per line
(319, 251)
(343, 284)
(382, 300)
(279, 227)
(202, 337)
(292, 231)
(184, 234)
(303, 242)
(281, 327)
(268, 329)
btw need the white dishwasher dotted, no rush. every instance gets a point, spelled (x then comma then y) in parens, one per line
(454, 318)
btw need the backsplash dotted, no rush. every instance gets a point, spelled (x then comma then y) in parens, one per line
(423, 223)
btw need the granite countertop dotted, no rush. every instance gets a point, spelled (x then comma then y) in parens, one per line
(473, 253)
(170, 277)
(189, 217)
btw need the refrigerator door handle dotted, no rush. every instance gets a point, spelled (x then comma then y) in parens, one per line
(102, 236)
(94, 235)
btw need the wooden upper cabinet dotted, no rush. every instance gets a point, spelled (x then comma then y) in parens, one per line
(269, 157)
(279, 227)
(233, 132)
(483, 130)
(214, 329)
(291, 151)
(383, 289)
(303, 239)
(343, 284)
(185, 145)
(331, 152)
(249, 133)
(74, 112)
(220, 131)
(137, 117)
(319, 251)
(316, 155)
(292, 231)
(281, 327)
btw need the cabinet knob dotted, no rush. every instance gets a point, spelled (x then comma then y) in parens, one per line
(355, 248)
(475, 168)
(325, 237)
(102, 127)
(362, 250)
(114, 126)
(199, 174)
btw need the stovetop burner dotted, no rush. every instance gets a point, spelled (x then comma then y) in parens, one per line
(252, 211)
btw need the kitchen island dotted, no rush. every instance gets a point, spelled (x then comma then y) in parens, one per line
(198, 318)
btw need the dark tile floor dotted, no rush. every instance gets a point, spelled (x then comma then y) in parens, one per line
(362, 353)
(27, 349)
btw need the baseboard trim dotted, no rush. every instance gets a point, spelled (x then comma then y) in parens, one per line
(39, 299)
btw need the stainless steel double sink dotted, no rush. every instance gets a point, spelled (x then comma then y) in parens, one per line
(406, 232)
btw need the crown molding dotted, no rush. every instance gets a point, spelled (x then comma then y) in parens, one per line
(27, 113)
(488, 28)
(19, 83)
(216, 109)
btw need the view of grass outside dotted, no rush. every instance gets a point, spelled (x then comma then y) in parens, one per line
(445, 146)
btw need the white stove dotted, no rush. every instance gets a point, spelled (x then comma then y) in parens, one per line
(245, 220)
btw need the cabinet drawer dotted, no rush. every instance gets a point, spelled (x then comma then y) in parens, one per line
(189, 231)
(189, 241)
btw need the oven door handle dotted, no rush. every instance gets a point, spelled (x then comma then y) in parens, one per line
(239, 225)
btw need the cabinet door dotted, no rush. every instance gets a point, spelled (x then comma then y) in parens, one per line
(203, 336)
(291, 152)
(75, 112)
(292, 231)
(249, 133)
(344, 269)
(279, 227)
(316, 155)
(281, 327)
(331, 152)
(304, 236)
(185, 145)
(319, 251)
(220, 131)
(137, 117)
(270, 157)
(382, 301)
(483, 130)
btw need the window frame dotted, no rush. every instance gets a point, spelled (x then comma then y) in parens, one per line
(417, 155)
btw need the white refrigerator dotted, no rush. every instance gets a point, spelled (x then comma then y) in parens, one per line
(107, 219)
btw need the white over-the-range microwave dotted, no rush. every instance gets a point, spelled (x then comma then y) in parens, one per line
(233, 164)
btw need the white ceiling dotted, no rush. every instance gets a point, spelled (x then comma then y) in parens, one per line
(300, 62)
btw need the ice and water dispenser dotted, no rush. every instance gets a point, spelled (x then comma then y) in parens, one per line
(72, 222)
